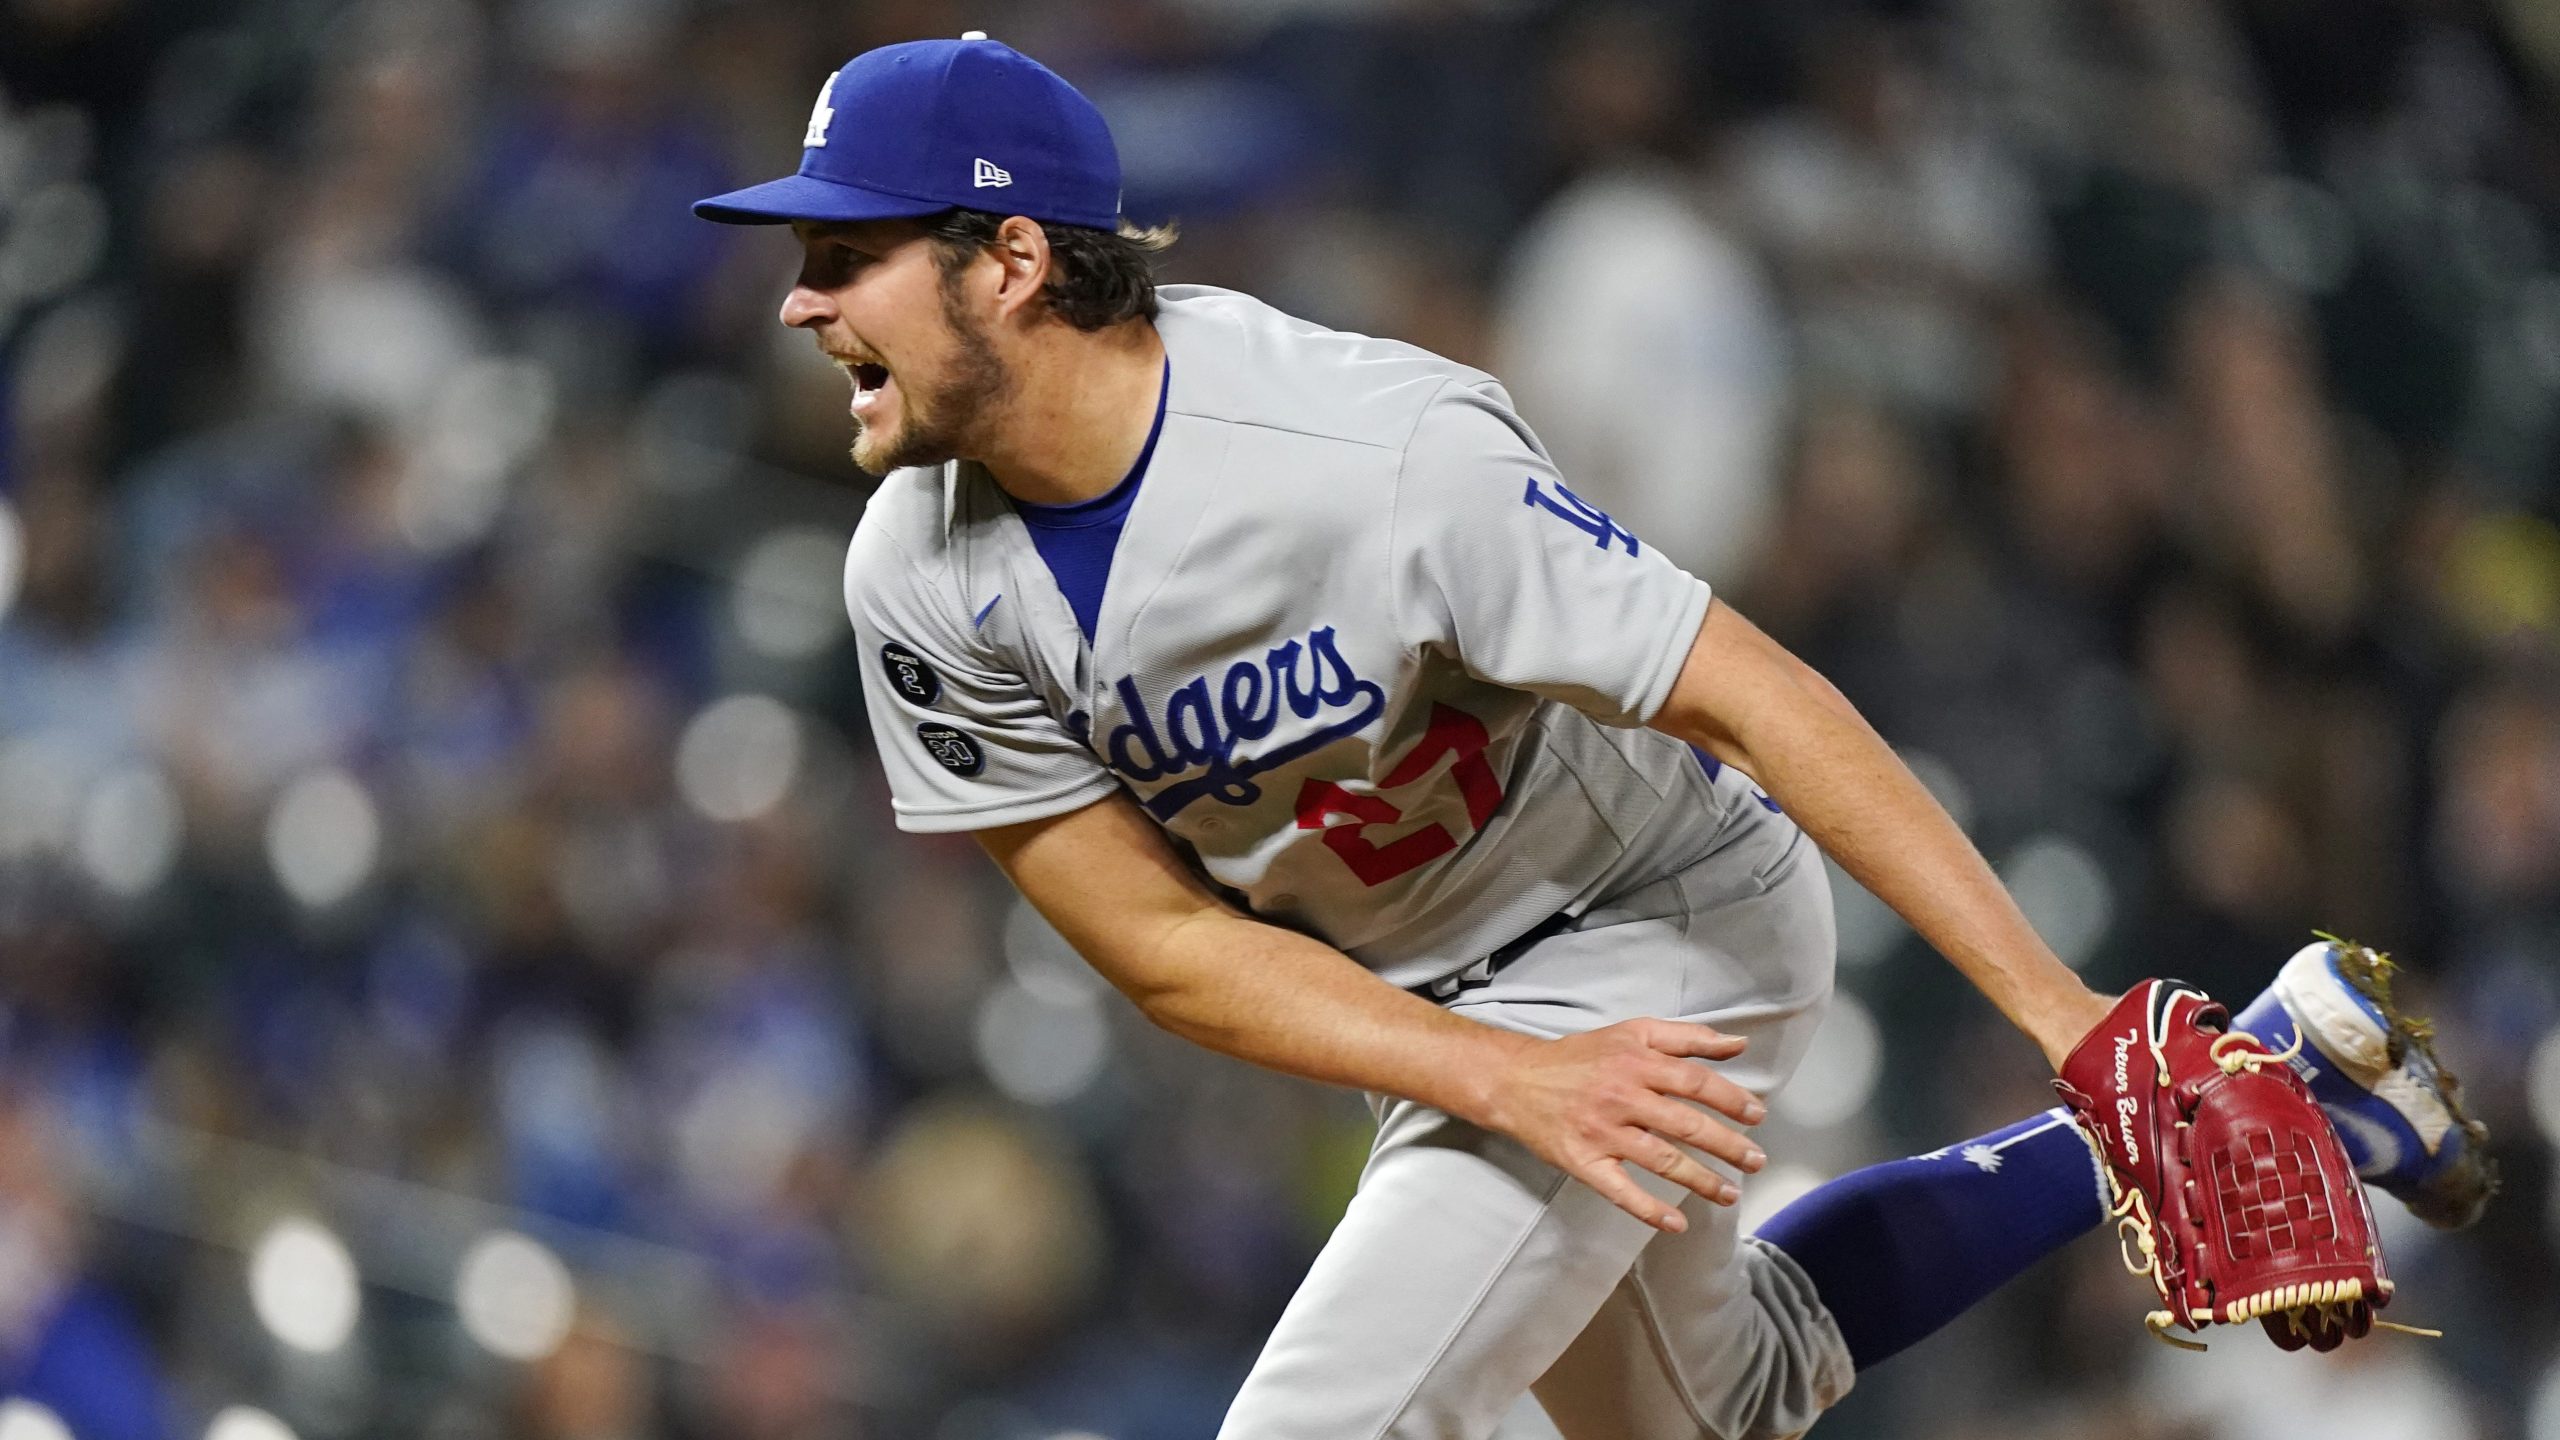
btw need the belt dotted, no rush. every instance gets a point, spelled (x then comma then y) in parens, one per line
(1481, 973)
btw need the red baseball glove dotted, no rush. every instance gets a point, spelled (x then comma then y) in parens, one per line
(2232, 1192)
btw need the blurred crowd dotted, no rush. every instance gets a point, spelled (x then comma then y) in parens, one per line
(433, 793)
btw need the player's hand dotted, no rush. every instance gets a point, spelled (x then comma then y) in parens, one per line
(1632, 1094)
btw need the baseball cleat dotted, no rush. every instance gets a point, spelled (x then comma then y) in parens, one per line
(2375, 1071)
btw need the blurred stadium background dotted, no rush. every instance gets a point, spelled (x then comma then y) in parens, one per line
(457, 976)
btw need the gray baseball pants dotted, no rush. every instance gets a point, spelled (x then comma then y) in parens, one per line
(1467, 1271)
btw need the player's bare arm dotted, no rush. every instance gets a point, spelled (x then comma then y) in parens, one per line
(1108, 880)
(1747, 701)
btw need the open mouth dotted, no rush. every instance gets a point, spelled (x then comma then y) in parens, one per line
(870, 384)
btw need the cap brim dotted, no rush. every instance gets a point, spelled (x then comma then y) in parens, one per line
(805, 197)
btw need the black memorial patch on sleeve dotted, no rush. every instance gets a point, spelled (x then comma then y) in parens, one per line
(951, 749)
(909, 675)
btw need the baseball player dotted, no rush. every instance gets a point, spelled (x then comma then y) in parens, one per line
(1285, 675)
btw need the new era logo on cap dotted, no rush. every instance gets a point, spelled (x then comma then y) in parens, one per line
(989, 174)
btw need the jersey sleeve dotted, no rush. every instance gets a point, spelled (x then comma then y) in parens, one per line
(1524, 583)
(967, 744)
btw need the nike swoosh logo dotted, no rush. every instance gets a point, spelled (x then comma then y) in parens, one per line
(981, 620)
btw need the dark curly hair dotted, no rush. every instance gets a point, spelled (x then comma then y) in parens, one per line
(1096, 277)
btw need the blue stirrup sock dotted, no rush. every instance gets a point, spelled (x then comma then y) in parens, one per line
(1899, 1249)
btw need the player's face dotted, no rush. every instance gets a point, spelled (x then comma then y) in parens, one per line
(879, 305)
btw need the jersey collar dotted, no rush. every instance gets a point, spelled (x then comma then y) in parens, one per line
(953, 476)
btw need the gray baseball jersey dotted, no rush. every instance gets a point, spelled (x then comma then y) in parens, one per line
(1361, 651)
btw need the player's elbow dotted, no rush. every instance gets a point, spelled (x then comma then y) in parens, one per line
(1169, 998)
(1162, 970)
(1828, 695)
(1180, 1008)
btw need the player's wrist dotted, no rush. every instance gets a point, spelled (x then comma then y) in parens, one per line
(1484, 1080)
(2066, 1020)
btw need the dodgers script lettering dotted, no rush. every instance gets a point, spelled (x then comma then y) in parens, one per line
(1202, 726)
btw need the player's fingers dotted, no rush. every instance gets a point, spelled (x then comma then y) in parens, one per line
(1701, 1042)
(1604, 1174)
(2288, 1332)
(1697, 1082)
(1678, 1166)
(1691, 1126)
(2326, 1333)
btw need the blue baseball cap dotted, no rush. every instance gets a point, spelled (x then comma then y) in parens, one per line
(935, 125)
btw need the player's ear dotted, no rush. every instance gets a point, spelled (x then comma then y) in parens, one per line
(1021, 249)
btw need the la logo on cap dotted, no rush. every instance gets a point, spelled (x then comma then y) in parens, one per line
(990, 175)
(821, 115)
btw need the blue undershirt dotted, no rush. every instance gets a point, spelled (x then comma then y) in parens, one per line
(1076, 541)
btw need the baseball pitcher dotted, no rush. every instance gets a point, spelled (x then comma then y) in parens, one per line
(1285, 675)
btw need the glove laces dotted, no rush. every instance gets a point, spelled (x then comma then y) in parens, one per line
(2236, 1051)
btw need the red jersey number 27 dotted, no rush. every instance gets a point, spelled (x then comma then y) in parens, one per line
(1345, 817)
